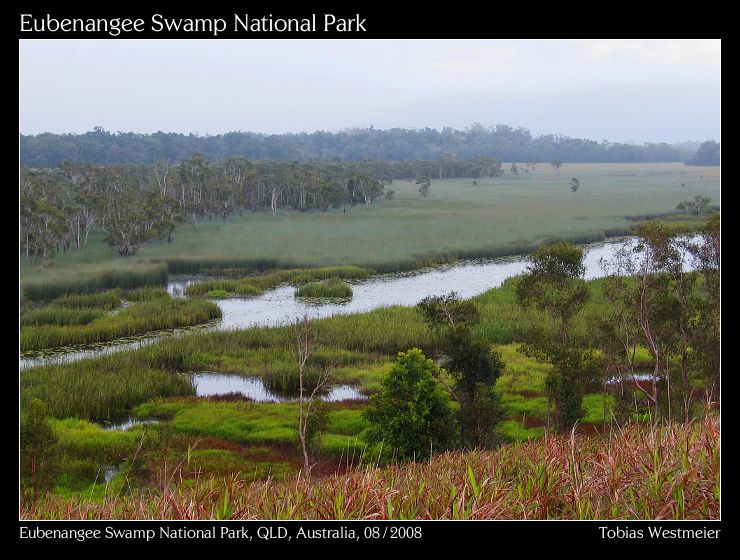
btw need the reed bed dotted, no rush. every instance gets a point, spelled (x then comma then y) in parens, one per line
(347, 341)
(146, 294)
(667, 471)
(332, 288)
(101, 389)
(149, 274)
(140, 318)
(255, 285)
(108, 300)
(59, 316)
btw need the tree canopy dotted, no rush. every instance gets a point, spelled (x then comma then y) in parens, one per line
(500, 142)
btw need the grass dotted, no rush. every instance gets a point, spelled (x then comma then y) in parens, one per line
(257, 284)
(145, 316)
(333, 288)
(146, 294)
(504, 215)
(105, 388)
(43, 283)
(108, 300)
(273, 424)
(353, 349)
(59, 316)
(637, 472)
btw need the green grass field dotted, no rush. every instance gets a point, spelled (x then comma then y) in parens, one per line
(500, 215)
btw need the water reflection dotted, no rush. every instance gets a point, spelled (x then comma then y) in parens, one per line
(209, 384)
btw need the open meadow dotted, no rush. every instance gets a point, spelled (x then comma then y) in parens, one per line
(504, 215)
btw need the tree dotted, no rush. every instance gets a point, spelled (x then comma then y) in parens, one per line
(640, 277)
(390, 194)
(424, 184)
(696, 207)
(411, 414)
(473, 366)
(574, 184)
(556, 165)
(449, 309)
(707, 154)
(573, 369)
(311, 418)
(369, 186)
(706, 335)
(554, 283)
(38, 448)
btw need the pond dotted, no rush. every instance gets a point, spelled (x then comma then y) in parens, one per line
(208, 384)
(279, 306)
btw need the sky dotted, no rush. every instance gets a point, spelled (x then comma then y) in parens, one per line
(616, 90)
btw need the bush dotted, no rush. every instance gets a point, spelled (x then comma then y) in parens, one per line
(411, 415)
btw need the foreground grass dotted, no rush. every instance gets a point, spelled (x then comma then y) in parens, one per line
(636, 472)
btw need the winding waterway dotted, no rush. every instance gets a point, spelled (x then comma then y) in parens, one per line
(279, 306)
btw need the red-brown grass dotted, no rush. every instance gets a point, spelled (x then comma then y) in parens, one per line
(670, 471)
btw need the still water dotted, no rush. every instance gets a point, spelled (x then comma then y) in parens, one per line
(279, 306)
(208, 384)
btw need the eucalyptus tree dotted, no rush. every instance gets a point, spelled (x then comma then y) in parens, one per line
(369, 187)
(424, 184)
(554, 283)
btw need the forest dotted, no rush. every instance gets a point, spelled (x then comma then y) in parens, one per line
(500, 142)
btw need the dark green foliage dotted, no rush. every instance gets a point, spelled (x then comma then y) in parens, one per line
(317, 424)
(475, 368)
(411, 414)
(574, 368)
(706, 335)
(707, 154)
(553, 283)
(38, 448)
(448, 310)
(509, 144)
(424, 184)
(482, 418)
(471, 360)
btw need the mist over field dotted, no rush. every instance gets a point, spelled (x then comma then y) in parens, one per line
(623, 91)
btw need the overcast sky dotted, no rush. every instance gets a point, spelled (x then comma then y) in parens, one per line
(619, 90)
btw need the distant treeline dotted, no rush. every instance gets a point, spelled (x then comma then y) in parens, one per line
(500, 142)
